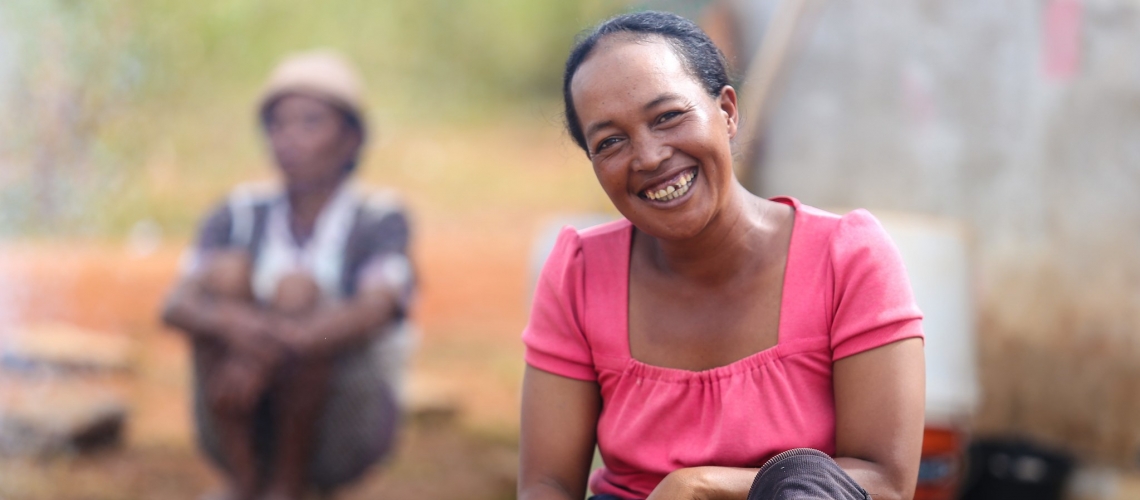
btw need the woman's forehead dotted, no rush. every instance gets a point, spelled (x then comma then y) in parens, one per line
(629, 72)
(299, 102)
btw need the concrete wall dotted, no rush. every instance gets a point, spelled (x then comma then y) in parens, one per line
(966, 108)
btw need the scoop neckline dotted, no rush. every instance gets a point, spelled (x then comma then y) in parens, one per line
(743, 364)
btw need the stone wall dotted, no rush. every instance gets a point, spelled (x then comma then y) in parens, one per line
(1022, 118)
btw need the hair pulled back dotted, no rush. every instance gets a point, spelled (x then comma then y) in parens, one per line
(697, 52)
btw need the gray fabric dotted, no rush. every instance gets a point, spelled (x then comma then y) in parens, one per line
(804, 474)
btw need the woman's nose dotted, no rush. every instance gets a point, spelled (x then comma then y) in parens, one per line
(649, 153)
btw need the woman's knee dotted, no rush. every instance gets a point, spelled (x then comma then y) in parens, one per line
(297, 293)
(228, 273)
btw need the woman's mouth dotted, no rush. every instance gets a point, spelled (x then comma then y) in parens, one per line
(671, 189)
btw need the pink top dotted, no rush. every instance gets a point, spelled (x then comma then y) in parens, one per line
(845, 292)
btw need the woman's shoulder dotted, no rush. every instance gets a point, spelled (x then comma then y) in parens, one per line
(606, 232)
(237, 212)
(254, 193)
(605, 245)
(825, 226)
(606, 236)
(858, 234)
(854, 243)
(379, 202)
(381, 224)
(593, 249)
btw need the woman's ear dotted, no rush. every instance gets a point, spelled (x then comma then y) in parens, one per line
(727, 104)
(353, 137)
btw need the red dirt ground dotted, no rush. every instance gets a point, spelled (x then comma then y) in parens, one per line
(472, 307)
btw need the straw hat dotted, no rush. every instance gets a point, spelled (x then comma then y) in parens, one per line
(324, 74)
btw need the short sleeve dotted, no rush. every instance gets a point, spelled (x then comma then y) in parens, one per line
(554, 338)
(213, 234)
(873, 302)
(380, 246)
(389, 233)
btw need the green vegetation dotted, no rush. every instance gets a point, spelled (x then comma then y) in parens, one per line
(453, 57)
(134, 109)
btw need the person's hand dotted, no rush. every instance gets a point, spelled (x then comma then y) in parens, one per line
(681, 484)
(249, 333)
(705, 483)
(299, 338)
(238, 384)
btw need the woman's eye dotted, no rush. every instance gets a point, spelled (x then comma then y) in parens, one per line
(609, 141)
(668, 116)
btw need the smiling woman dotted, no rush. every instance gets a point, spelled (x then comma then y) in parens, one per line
(710, 331)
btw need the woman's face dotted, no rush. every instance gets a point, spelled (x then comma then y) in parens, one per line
(311, 141)
(659, 143)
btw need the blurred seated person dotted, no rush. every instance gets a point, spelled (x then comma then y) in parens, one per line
(295, 301)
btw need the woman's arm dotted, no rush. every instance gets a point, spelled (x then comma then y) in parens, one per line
(234, 322)
(337, 326)
(880, 399)
(879, 406)
(559, 431)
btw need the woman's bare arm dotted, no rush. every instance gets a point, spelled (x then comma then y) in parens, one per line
(880, 398)
(242, 324)
(337, 326)
(189, 309)
(559, 431)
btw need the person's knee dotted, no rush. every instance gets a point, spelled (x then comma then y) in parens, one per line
(229, 410)
(297, 293)
(228, 273)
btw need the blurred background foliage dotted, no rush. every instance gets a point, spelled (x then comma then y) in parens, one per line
(118, 106)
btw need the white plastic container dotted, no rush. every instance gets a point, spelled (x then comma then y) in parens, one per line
(935, 251)
(936, 254)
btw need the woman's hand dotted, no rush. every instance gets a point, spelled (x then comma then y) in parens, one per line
(250, 333)
(300, 337)
(705, 483)
(681, 484)
(334, 326)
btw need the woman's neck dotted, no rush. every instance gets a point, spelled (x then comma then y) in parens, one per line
(738, 240)
(305, 206)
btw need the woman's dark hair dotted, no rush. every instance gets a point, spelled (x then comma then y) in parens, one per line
(693, 47)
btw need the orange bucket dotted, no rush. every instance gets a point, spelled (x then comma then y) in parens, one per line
(941, 471)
